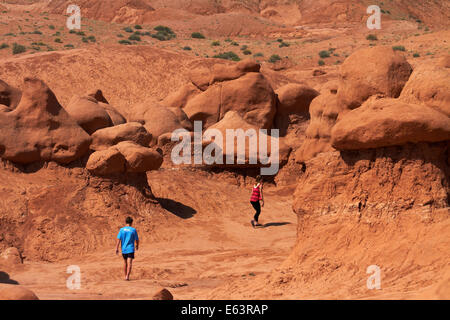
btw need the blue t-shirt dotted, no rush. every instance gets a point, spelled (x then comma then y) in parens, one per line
(127, 236)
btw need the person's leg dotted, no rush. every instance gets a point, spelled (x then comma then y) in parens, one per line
(130, 264)
(256, 205)
(258, 211)
(125, 267)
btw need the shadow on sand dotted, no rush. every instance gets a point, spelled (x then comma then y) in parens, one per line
(177, 208)
(274, 224)
(4, 278)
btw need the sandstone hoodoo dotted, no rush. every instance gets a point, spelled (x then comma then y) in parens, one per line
(378, 70)
(250, 95)
(14, 292)
(88, 113)
(40, 129)
(9, 96)
(389, 122)
(158, 119)
(132, 131)
(429, 85)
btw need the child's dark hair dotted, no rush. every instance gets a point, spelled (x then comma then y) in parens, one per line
(258, 178)
(129, 220)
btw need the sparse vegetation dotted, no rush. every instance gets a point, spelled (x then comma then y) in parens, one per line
(4, 45)
(234, 43)
(247, 52)
(274, 58)
(69, 46)
(36, 32)
(18, 48)
(416, 55)
(128, 29)
(51, 27)
(124, 42)
(230, 55)
(215, 43)
(138, 27)
(58, 40)
(284, 44)
(163, 33)
(398, 48)
(372, 37)
(134, 37)
(197, 35)
(321, 62)
(324, 54)
(187, 48)
(259, 54)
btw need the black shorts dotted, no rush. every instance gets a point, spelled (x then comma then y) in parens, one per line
(128, 255)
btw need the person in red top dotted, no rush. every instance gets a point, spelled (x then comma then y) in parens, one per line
(257, 195)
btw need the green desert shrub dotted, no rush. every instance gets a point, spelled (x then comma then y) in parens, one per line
(371, 37)
(416, 55)
(128, 29)
(18, 48)
(398, 48)
(230, 55)
(247, 52)
(274, 58)
(138, 27)
(215, 43)
(187, 48)
(124, 42)
(163, 33)
(4, 45)
(321, 62)
(324, 54)
(58, 40)
(259, 54)
(69, 46)
(284, 44)
(134, 37)
(197, 35)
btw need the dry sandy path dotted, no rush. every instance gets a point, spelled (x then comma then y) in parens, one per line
(208, 241)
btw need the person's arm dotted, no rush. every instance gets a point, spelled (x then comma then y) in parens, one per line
(117, 246)
(137, 241)
(261, 197)
(118, 242)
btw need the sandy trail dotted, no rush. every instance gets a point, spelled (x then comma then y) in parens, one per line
(209, 241)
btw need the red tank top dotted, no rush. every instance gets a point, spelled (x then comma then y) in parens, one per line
(256, 194)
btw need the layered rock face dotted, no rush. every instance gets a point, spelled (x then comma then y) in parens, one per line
(39, 129)
(376, 189)
(380, 149)
(377, 71)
